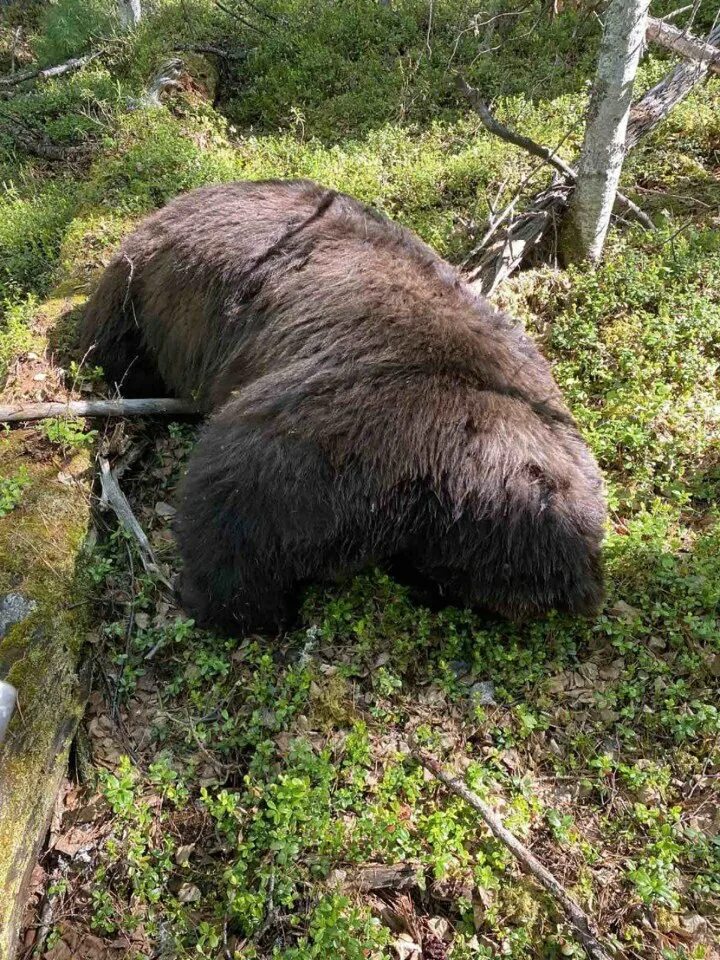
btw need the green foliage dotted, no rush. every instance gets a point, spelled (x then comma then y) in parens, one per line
(283, 760)
(636, 350)
(336, 929)
(11, 490)
(32, 223)
(71, 27)
(68, 433)
(15, 334)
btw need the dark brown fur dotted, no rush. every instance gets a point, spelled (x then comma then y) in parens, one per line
(368, 407)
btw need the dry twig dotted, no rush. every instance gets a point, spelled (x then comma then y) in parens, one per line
(113, 497)
(580, 921)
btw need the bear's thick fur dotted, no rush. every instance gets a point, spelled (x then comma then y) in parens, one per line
(368, 407)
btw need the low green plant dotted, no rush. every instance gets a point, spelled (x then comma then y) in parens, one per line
(69, 434)
(12, 488)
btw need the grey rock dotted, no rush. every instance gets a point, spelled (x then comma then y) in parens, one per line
(482, 694)
(14, 608)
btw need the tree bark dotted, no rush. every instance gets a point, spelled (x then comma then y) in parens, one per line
(586, 225)
(130, 13)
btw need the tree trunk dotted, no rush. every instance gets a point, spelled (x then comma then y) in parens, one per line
(130, 13)
(601, 159)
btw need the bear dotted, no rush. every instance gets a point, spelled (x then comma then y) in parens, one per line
(366, 407)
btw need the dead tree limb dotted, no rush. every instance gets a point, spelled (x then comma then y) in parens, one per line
(684, 44)
(657, 103)
(504, 250)
(211, 50)
(46, 73)
(164, 407)
(579, 920)
(113, 497)
(538, 150)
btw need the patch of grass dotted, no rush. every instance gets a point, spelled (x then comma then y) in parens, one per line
(71, 27)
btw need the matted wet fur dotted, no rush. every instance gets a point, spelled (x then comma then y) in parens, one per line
(368, 408)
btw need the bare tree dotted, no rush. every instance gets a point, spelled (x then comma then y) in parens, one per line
(603, 152)
(130, 13)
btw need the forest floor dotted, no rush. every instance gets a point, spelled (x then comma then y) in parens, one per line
(231, 798)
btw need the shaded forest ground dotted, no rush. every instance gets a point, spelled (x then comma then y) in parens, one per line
(225, 796)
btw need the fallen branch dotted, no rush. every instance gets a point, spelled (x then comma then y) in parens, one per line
(211, 50)
(165, 407)
(538, 150)
(113, 497)
(46, 73)
(657, 103)
(579, 920)
(682, 43)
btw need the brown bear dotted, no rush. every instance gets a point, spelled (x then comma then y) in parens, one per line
(367, 408)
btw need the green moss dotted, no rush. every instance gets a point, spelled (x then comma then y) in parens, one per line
(39, 547)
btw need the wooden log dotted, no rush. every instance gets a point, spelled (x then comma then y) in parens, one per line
(40, 656)
(150, 407)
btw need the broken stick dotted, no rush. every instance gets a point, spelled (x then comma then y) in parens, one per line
(579, 920)
(683, 43)
(151, 407)
(113, 497)
(492, 124)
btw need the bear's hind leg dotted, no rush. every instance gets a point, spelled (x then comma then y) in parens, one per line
(260, 515)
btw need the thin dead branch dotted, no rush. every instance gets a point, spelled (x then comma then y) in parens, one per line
(113, 497)
(684, 44)
(46, 73)
(163, 407)
(492, 124)
(240, 19)
(657, 103)
(211, 50)
(581, 923)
